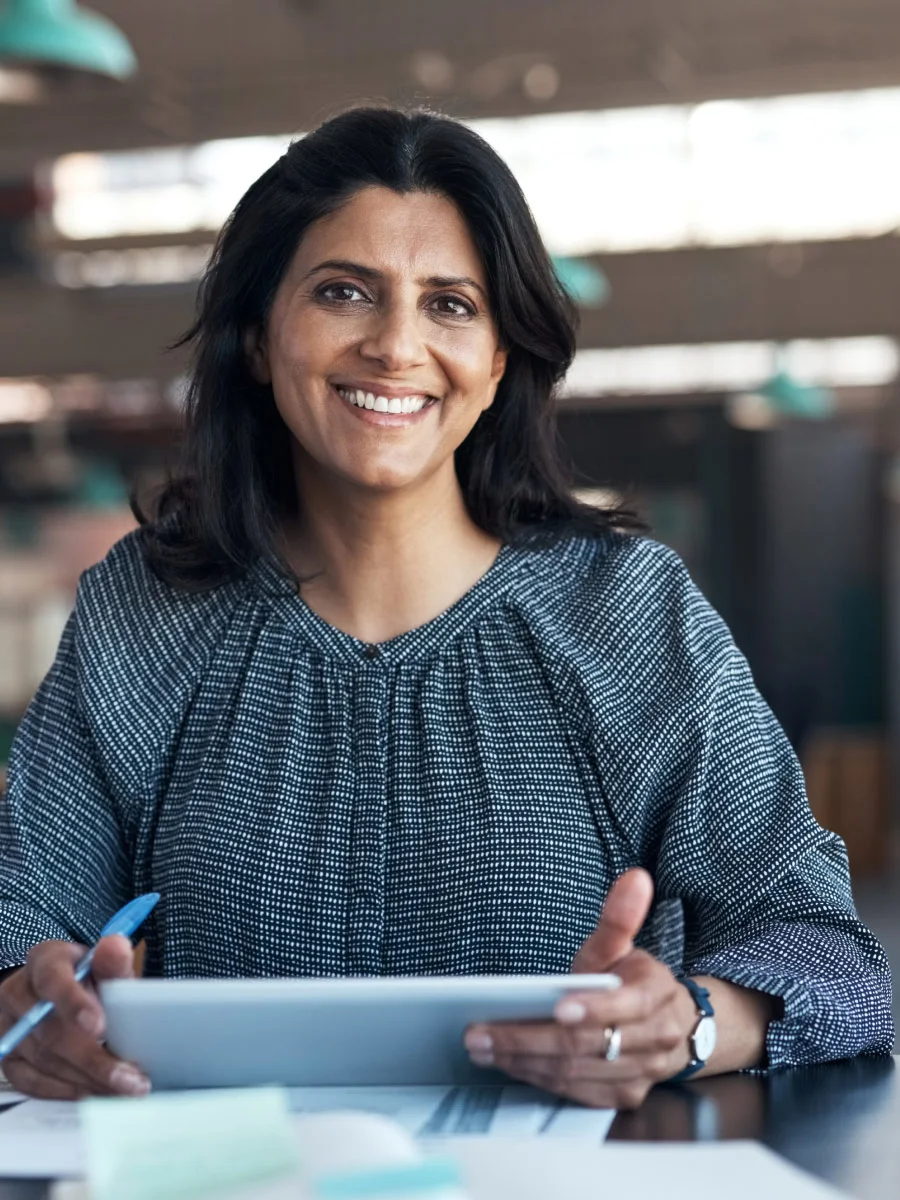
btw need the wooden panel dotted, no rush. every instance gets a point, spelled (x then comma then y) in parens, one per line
(847, 781)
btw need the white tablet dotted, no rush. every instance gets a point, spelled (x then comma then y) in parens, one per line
(188, 1033)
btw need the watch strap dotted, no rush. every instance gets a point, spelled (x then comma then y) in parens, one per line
(705, 1008)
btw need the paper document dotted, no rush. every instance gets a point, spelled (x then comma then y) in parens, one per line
(41, 1139)
(496, 1169)
(502, 1169)
(440, 1112)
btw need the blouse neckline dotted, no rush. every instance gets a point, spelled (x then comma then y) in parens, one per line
(421, 642)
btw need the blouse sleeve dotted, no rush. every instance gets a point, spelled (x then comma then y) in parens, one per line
(63, 863)
(726, 827)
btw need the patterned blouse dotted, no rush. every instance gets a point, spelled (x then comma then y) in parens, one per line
(455, 800)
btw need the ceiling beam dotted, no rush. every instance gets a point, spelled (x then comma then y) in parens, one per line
(214, 69)
(815, 290)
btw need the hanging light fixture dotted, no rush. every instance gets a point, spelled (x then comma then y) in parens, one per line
(780, 397)
(585, 283)
(57, 33)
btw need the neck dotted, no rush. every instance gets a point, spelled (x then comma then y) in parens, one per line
(376, 565)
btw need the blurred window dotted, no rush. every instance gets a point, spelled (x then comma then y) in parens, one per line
(732, 366)
(724, 172)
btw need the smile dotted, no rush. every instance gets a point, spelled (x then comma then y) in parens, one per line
(384, 404)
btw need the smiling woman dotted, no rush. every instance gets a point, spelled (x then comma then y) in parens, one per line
(387, 256)
(372, 693)
(382, 353)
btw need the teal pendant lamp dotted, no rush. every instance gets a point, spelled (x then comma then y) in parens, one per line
(781, 397)
(57, 33)
(585, 283)
(792, 399)
(788, 398)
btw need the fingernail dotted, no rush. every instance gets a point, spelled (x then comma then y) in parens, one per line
(91, 1022)
(482, 1043)
(481, 1058)
(570, 1012)
(127, 1079)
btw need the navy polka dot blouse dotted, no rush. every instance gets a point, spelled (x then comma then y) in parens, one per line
(456, 800)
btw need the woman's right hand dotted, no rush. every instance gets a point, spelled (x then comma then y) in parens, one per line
(63, 1059)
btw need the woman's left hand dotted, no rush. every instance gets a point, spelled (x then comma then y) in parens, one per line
(653, 1013)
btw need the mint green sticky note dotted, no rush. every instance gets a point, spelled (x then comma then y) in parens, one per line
(177, 1145)
(430, 1179)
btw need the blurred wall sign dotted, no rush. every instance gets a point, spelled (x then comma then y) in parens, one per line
(57, 33)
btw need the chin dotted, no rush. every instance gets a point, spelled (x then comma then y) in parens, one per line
(385, 484)
(384, 478)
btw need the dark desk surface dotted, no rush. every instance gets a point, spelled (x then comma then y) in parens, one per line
(840, 1122)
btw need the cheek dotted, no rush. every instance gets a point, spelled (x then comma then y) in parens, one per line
(305, 343)
(469, 363)
(295, 368)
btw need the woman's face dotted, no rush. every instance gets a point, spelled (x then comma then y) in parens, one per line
(384, 307)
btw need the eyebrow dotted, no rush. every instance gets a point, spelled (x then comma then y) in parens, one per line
(354, 268)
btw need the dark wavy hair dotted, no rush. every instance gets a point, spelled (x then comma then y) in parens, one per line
(221, 510)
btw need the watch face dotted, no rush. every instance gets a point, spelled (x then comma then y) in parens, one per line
(705, 1039)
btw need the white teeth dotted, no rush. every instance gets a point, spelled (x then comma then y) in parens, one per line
(396, 404)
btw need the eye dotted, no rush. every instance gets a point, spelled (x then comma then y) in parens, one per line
(341, 293)
(454, 306)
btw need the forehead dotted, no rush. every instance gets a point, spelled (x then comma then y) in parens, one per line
(417, 233)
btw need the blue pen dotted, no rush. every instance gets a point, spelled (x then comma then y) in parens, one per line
(126, 921)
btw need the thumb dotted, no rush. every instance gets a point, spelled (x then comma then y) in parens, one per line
(113, 958)
(624, 912)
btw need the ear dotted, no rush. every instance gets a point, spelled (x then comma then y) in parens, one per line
(257, 355)
(498, 367)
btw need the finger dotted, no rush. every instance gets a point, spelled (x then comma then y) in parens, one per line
(26, 1078)
(652, 989)
(647, 985)
(663, 1033)
(101, 1072)
(624, 912)
(51, 975)
(585, 1068)
(43, 1059)
(16, 997)
(113, 958)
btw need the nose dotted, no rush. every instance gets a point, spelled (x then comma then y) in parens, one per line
(394, 339)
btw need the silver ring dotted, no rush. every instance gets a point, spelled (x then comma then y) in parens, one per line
(613, 1043)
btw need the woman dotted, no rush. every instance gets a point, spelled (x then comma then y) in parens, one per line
(373, 694)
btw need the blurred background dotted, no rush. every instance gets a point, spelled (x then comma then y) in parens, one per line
(719, 182)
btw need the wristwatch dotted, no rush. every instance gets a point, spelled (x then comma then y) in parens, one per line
(702, 1041)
